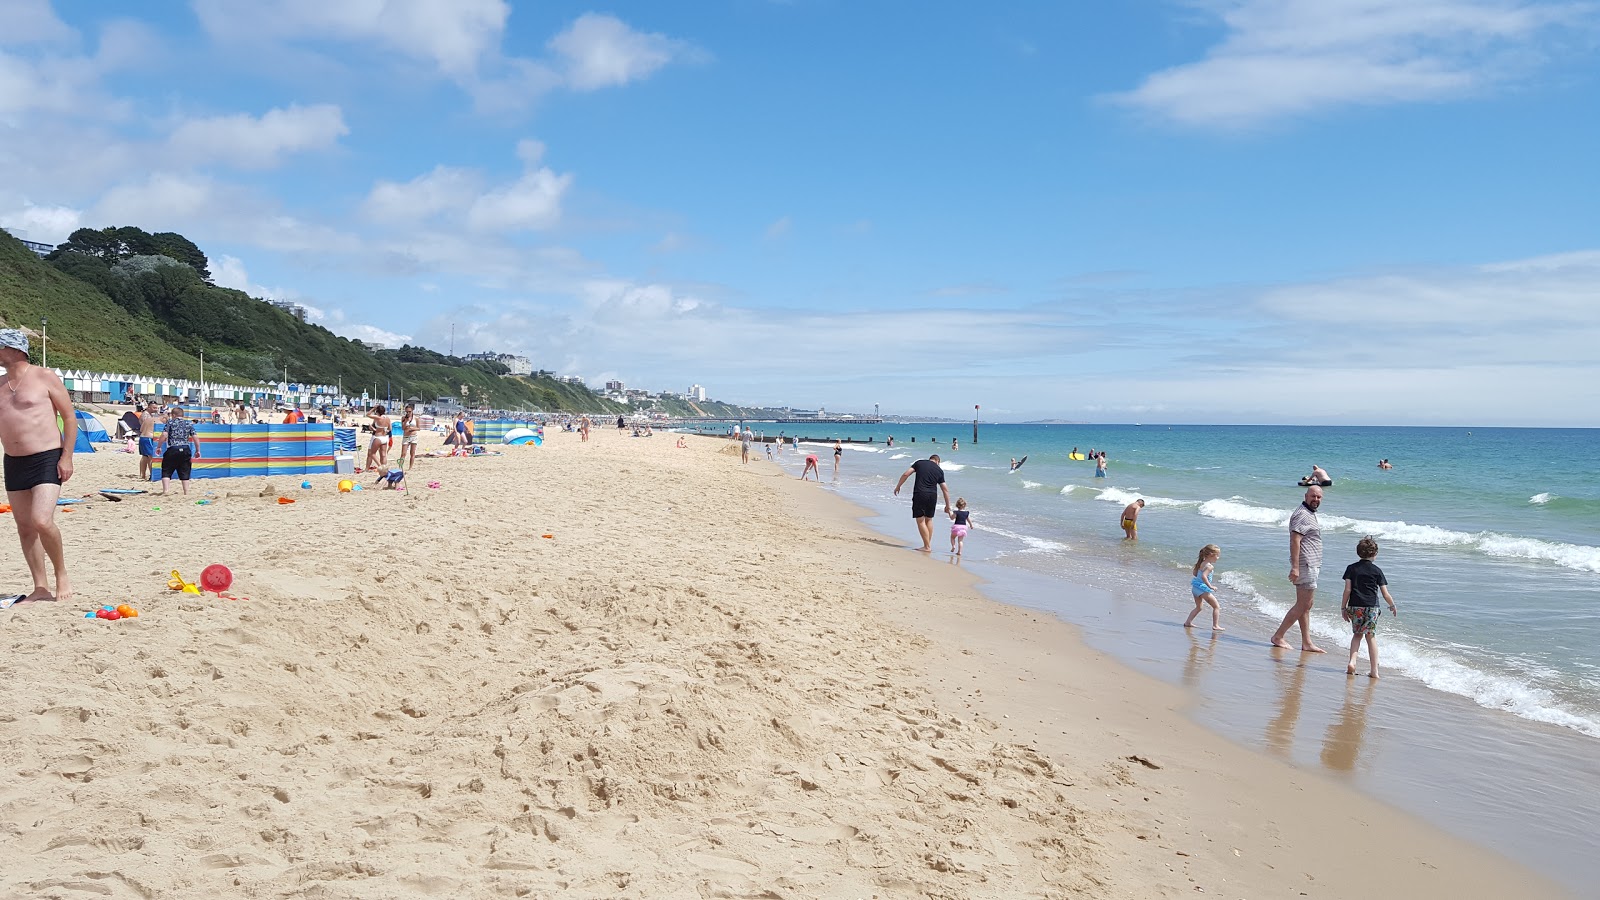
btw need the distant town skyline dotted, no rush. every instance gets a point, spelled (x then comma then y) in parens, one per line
(1287, 211)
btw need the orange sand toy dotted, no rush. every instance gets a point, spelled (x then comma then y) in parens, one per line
(285, 501)
(176, 583)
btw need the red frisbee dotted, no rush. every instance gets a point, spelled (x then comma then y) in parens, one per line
(216, 578)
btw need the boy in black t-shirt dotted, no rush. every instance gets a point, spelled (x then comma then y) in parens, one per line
(1363, 583)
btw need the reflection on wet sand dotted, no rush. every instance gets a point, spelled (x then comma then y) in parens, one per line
(1341, 745)
(1291, 677)
(1201, 654)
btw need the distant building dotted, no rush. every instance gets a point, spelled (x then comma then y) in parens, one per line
(572, 379)
(293, 309)
(35, 246)
(697, 393)
(519, 365)
(616, 387)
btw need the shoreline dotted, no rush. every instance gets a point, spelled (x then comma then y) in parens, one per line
(710, 680)
(1226, 815)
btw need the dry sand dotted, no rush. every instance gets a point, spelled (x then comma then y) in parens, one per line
(710, 682)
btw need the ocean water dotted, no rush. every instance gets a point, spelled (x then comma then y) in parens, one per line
(1490, 539)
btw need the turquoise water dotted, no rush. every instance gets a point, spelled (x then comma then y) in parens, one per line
(1490, 537)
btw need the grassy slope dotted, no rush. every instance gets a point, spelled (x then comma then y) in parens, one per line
(87, 330)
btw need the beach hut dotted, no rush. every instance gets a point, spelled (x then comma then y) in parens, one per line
(90, 429)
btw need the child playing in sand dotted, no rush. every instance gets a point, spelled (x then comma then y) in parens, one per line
(961, 522)
(1363, 583)
(1204, 592)
(392, 477)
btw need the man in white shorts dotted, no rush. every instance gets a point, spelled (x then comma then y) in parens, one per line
(1305, 562)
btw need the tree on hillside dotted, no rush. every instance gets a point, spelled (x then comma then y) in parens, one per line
(116, 244)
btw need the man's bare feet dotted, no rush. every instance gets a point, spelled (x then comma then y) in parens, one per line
(1188, 624)
(38, 594)
(1349, 670)
(1372, 675)
(1218, 628)
(1311, 648)
(1282, 644)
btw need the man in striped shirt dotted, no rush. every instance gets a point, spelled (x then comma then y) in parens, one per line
(1305, 562)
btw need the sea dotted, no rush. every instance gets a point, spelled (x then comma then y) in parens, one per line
(1487, 718)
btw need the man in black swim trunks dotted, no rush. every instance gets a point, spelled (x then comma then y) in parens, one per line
(38, 460)
(925, 496)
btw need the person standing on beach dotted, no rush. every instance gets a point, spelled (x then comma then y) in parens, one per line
(180, 447)
(410, 435)
(1130, 520)
(38, 461)
(838, 453)
(378, 447)
(1305, 562)
(1100, 466)
(147, 439)
(1363, 582)
(744, 445)
(925, 496)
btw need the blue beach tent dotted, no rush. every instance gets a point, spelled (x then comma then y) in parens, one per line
(89, 428)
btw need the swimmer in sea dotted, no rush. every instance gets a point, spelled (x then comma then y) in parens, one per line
(1384, 464)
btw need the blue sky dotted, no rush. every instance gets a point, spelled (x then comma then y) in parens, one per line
(1149, 210)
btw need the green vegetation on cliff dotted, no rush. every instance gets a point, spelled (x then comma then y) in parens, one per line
(119, 300)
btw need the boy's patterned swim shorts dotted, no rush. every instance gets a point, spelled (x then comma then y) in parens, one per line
(1363, 620)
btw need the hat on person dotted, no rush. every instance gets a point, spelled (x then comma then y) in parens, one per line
(14, 338)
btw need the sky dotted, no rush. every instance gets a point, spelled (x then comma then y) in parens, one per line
(1284, 211)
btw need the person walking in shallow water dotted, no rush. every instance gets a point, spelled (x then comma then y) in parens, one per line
(1363, 583)
(925, 496)
(38, 461)
(1305, 562)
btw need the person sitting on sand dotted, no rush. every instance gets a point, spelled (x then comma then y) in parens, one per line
(681, 444)
(1130, 520)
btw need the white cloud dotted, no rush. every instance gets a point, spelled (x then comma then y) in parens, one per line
(250, 142)
(31, 21)
(1283, 58)
(443, 189)
(454, 35)
(602, 51)
(532, 201)
(45, 224)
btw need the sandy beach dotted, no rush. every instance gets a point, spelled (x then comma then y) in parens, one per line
(617, 669)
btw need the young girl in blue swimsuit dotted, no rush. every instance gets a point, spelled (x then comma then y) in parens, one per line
(1204, 592)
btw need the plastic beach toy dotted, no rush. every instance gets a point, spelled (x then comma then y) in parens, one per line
(176, 583)
(346, 486)
(305, 485)
(434, 485)
(216, 578)
(285, 501)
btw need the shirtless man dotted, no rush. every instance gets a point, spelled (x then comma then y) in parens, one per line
(147, 439)
(1130, 520)
(38, 460)
(382, 428)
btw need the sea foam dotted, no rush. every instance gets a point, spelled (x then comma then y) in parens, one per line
(1541, 499)
(1038, 545)
(1116, 495)
(1581, 557)
(1434, 667)
(1032, 484)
